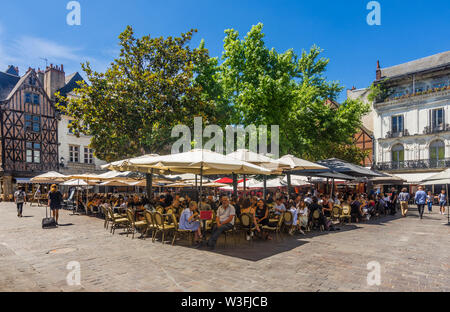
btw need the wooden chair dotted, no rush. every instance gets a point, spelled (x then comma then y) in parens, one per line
(117, 220)
(107, 216)
(133, 225)
(316, 219)
(288, 221)
(161, 226)
(346, 213)
(151, 226)
(177, 231)
(246, 225)
(275, 229)
(336, 213)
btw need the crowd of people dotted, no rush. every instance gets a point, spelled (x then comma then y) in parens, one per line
(308, 209)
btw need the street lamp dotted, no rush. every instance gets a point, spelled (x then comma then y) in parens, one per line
(61, 163)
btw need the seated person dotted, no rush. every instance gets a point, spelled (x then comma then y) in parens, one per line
(302, 216)
(262, 218)
(327, 206)
(224, 221)
(313, 207)
(293, 224)
(279, 206)
(356, 211)
(247, 208)
(189, 220)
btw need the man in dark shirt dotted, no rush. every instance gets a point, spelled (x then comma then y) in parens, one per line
(168, 199)
(393, 202)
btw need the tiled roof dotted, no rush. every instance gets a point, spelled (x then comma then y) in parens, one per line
(71, 83)
(7, 83)
(417, 65)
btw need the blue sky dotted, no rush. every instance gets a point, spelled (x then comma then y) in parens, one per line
(409, 30)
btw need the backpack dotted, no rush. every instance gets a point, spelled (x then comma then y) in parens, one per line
(20, 196)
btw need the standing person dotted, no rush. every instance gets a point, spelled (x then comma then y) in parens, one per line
(403, 197)
(20, 197)
(224, 221)
(393, 201)
(430, 202)
(54, 201)
(421, 198)
(442, 202)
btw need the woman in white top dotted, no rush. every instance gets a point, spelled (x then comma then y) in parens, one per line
(302, 216)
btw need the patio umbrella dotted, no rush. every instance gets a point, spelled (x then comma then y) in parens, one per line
(296, 165)
(260, 160)
(124, 165)
(49, 177)
(199, 161)
(224, 181)
(347, 168)
(215, 184)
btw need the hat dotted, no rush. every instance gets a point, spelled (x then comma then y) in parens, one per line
(181, 199)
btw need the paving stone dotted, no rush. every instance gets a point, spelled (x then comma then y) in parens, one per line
(413, 254)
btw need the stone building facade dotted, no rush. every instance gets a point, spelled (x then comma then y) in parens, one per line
(411, 125)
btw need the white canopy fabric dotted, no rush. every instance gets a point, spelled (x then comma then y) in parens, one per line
(49, 177)
(440, 178)
(75, 182)
(296, 163)
(415, 178)
(297, 180)
(274, 183)
(114, 183)
(198, 162)
(124, 165)
(257, 159)
(180, 184)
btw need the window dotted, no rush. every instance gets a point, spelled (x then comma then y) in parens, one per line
(33, 151)
(398, 154)
(88, 155)
(74, 153)
(28, 98)
(437, 153)
(397, 124)
(437, 118)
(32, 123)
(36, 99)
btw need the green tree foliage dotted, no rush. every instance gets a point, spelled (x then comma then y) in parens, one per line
(263, 86)
(131, 108)
(380, 91)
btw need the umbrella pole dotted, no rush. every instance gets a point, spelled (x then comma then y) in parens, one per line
(245, 188)
(289, 184)
(149, 178)
(234, 184)
(196, 186)
(265, 187)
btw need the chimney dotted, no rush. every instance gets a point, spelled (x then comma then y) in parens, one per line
(40, 74)
(54, 79)
(378, 72)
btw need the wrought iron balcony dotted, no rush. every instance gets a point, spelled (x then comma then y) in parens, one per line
(414, 164)
(391, 135)
(431, 130)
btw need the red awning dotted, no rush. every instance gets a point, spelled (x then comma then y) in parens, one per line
(224, 181)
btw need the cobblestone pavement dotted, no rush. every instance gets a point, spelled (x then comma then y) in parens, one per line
(413, 254)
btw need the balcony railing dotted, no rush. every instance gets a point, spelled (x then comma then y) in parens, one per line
(414, 164)
(431, 130)
(399, 134)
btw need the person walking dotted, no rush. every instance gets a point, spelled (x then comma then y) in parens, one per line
(420, 199)
(403, 197)
(20, 198)
(442, 202)
(37, 196)
(430, 202)
(54, 201)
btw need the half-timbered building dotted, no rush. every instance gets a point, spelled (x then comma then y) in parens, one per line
(29, 132)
